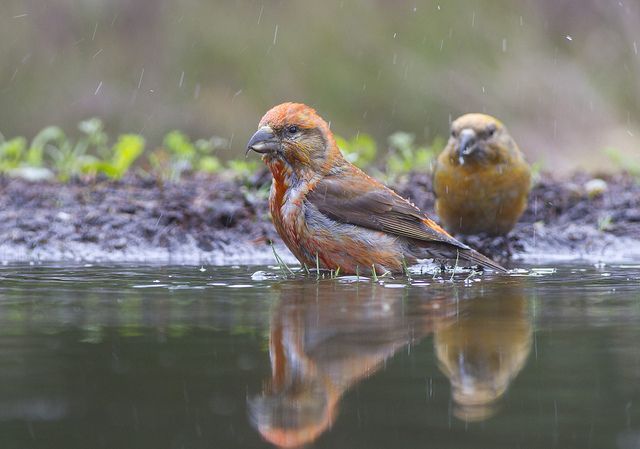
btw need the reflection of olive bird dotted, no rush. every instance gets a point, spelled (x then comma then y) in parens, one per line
(483, 351)
(322, 341)
(481, 180)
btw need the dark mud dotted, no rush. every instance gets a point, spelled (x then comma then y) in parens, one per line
(214, 220)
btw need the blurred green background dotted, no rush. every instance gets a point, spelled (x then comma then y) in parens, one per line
(564, 75)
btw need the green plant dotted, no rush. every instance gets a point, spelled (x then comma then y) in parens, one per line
(281, 263)
(124, 153)
(179, 154)
(49, 135)
(94, 135)
(605, 223)
(623, 162)
(405, 155)
(71, 159)
(360, 150)
(11, 153)
(242, 168)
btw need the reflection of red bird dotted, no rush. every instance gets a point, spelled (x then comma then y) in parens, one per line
(326, 209)
(322, 342)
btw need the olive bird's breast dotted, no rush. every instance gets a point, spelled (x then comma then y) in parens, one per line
(488, 199)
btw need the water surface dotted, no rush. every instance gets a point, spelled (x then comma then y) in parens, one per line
(221, 357)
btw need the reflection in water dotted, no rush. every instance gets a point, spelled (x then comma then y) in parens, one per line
(483, 351)
(155, 357)
(323, 341)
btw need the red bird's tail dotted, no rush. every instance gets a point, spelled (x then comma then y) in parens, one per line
(474, 256)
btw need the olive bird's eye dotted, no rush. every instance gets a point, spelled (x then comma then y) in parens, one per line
(292, 129)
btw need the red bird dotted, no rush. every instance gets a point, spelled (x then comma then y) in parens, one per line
(328, 210)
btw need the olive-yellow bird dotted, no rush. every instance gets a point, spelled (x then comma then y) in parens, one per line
(481, 180)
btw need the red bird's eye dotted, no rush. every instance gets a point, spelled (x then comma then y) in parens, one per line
(292, 129)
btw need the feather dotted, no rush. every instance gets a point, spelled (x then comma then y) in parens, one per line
(363, 201)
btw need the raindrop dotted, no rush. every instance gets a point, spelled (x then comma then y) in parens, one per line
(635, 47)
(19, 16)
(140, 80)
(181, 79)
(260, 15)
(98, 88)
(97, 53)
(95, 29)
(473, 19)
(275, 35)
(504, 45)
(569, 38)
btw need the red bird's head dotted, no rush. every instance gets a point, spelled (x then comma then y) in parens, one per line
(294, 134)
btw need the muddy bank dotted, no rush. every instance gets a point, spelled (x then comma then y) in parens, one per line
(212, 220)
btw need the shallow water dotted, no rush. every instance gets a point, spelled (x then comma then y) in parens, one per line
(213, 357)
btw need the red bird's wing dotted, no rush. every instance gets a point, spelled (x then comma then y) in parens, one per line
(357, 199)
(365, 202)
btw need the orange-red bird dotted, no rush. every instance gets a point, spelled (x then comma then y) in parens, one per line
(481, 180)
(327, 209)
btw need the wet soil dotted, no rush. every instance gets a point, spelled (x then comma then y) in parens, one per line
(215, 220)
